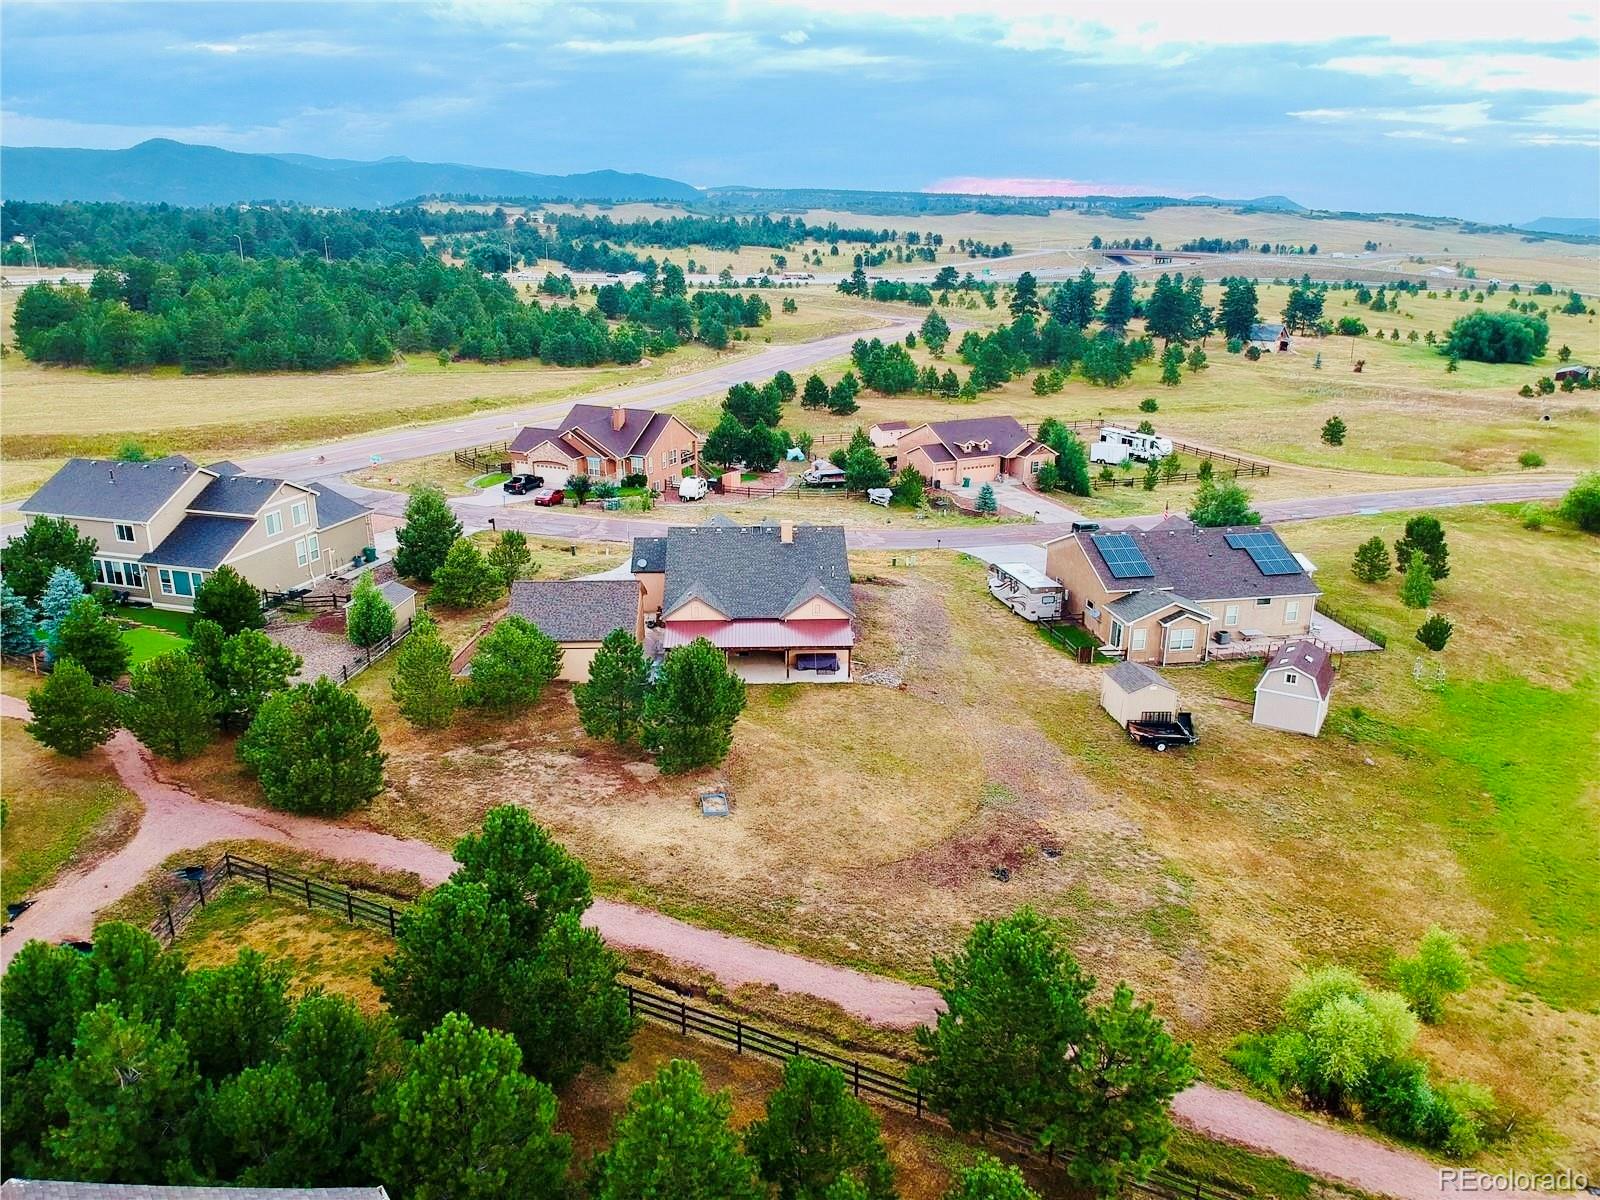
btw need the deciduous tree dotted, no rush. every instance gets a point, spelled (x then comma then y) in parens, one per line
(1437, 971)
(1222, 504)
(990, 1179)
(1416, 585)
(368, 618)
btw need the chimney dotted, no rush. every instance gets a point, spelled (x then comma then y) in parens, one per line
(619, 417)
(786, 532)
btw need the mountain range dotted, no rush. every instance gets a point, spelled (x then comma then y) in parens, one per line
(164, 171)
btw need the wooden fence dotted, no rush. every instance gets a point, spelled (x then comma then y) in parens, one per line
(672, 1012)
(373, 653)
(484, 458)
(1137, 480)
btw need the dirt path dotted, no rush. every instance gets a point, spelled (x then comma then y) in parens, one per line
(175, 819)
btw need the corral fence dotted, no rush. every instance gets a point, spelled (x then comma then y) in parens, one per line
(202, 883)
(484, 458)
(1137, 479)
(300, 601)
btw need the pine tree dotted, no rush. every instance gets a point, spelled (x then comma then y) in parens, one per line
(986, 502)
(1025, 296)
(92, 640)
(674, 1140)
(816, 1133)
(231, 600)
(511, 666)
(71, 714)
(61, 592)
(1435, 632)
(170, 706)
(465, 579)
(368, 618)
(511, 558)
(246, 669)
(424, 690)
(1238, 312)
(611, 704)
(1172, 365)
(815, 393)
(1371, 562)
(1119, 305)
(1416, 586)
(314, 749)
(19, 624)
(990, 1179)
(430, 530)
(1424, 535)
(46, 543)
(935, 331)
(1333, 431)
(689, 714)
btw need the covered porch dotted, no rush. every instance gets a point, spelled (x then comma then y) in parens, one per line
(761, 651)
(791, 666)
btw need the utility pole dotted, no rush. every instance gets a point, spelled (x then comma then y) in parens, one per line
(240, 240)
(325, 257)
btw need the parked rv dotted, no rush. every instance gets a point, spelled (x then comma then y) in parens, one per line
(1027, 591)
(1141, 447)
(692, 487)
(824, 474)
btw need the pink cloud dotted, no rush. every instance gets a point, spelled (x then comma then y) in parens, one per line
(1009, 186)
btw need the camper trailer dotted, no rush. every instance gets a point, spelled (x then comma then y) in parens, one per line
(1027, 591)
(1142, 447)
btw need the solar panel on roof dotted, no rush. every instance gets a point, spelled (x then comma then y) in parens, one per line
(1266, 551)
(1123, 557)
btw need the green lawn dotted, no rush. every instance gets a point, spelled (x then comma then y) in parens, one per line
(160, 618)
(493, 479)
(147, 642)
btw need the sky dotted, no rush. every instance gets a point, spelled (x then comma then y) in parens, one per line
(1489, 111)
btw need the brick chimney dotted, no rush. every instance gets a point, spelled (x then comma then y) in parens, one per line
(619, 417)
(786, 532)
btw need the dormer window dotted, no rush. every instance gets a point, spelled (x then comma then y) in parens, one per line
(124, 533)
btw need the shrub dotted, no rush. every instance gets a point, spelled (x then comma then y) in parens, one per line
(1533, 516)
(1435, 972)
(1235, 345)
(229, 599)
(1253, 354)
(511, 666)
(1149, 404)
(1435, 632)
(1581, 504)
(1530, 458)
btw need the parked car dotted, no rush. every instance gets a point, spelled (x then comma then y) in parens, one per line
(549, 497)
(692, 487)
(521, 485)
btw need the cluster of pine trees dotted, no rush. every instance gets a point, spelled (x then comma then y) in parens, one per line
(214, 312)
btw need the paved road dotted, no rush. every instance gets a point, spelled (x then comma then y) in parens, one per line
(175, 819)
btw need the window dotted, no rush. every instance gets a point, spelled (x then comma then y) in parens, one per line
(1116, 633)
(274, 523)
(1138, 641)
(1261, 600)
(300, 551)
(1291, 678)
(313, 550)
(1291, 611)
(180, 583)
(592, 465)
(635, 465)
(1180, 639)
(124, 533)
(1230, 615)
(114, 572)
(299, 513)
(1033, 466)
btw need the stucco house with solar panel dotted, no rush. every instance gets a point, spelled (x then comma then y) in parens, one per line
(161, 527)
(1166, 596)
(775, 597)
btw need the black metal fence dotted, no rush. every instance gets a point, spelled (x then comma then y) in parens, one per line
(671, 1012)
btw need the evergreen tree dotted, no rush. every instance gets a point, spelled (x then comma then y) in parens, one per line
(1196, 361)
(314, 749)
(1424, 535)
(270, 1128)
(369, 618)
(511, 666)
(71, 714)
(689, 714)
(248, 668)
(863, 466)
(170, 706)
(815, 1133)
(61, 592)
(229, 599)
(19, 624)
(815, 394)
(465, 1123)
(990, 1179)
(1074, 304)
(1025, 296)
(232, 1016)
(423, 687)
(465, 579)
(1238, 312)
(1172, 366)
(92, 640)
(46, 543)
(935, 331)
(1119, 305)
(725, 444)
(909, 487)
(673, 1141)
(986, 502)
(1416, 585)
(611, 704)
(1371, 563)
(763, 447)
(1435, 632)
(430, 530)
(511, 558)
(1333, 431)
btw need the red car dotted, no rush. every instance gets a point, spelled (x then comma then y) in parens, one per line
(549, 497)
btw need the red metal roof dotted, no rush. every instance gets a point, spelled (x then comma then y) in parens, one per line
(761, 635)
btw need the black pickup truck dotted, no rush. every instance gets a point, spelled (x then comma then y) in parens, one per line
(1162, 730)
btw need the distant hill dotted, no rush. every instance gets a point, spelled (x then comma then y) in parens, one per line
(1569, 226)
(163, 171)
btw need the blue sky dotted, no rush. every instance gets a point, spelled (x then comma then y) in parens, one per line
(1489, 111)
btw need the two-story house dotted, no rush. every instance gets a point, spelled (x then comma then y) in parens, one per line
(970, 453)
(610, 444)
(1162, 595)
(161, 527)
(775, 597)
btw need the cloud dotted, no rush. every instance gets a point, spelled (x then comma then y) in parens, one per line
(1473, 115)
(1426, 135)
(1585, 116)
(1479, 72)
(1559, 139)
(274, 45)
(984, 185)
(738, 53)
(683, 45)
(795, 37)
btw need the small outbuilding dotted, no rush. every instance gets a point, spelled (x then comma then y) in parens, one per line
(1269, 336)
(1131, 691)
(578, 614)
(402, 599)
(1293, 692)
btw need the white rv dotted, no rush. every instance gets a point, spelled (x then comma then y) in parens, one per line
(1139, 446)
(692, 487)
(1027, 591)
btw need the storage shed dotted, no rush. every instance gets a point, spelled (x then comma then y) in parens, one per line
(1292, 693)
(1130, 691)
(402, 599)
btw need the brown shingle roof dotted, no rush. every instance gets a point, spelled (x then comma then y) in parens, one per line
(578, 610)
(1198, 563)
(1308, 658)
(1005, 435)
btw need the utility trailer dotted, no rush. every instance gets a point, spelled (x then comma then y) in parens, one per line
(1161, 730)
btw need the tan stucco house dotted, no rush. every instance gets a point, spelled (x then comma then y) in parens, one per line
(1293, 692)
(1161, 595)
(578, 614)
(775, 597)
(959, 454)
(161, 527)
(610, 444)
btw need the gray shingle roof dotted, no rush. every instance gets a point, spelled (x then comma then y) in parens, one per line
(1198, 563)
(108, 490)
(751, 572)
(649, 554)
(1141, 604)
(1132, 676)
(225, 467)
(200, 542)
(62, 1189)
(334, 508)
(237, 495)
(578, 610)
(395, 592)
